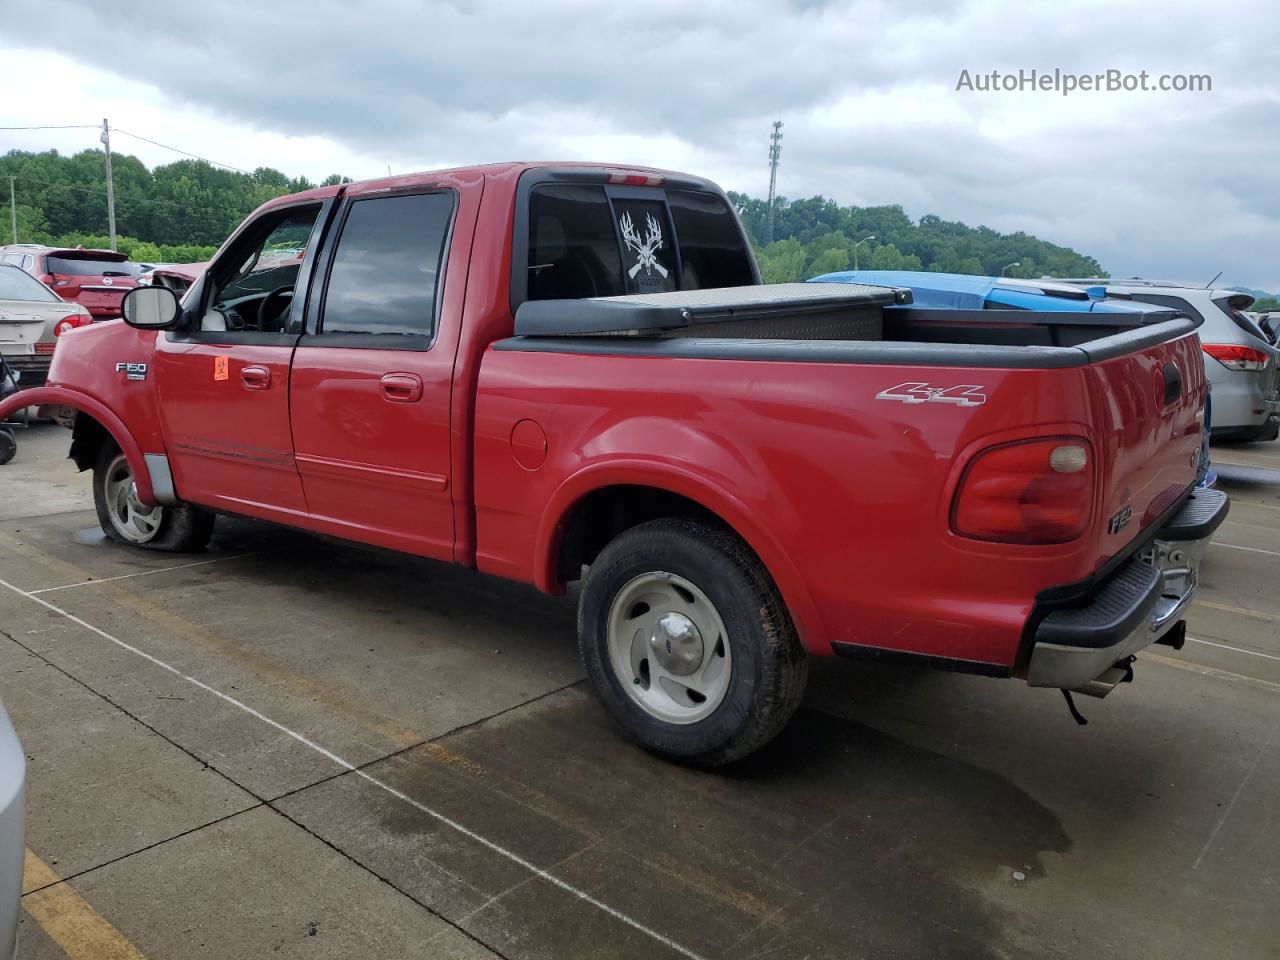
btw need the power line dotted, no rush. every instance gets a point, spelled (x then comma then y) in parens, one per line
(58, 126)
(154, 143)
(185, 153)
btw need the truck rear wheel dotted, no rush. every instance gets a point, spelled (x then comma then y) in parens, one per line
(687, 642)
(124, 518)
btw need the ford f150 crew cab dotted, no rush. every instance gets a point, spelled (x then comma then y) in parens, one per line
(564, 372)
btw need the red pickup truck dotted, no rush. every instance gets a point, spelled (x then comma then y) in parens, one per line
(571, 372)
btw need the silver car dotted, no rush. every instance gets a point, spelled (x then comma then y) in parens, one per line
(32, 317)
(1242, 365)
(13, 767)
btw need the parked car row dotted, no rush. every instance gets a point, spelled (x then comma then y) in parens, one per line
(95, 279)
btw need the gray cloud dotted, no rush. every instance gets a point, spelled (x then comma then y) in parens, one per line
(1177, 185)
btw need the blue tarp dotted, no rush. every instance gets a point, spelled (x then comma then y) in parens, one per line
(952, 291)
(960, 291)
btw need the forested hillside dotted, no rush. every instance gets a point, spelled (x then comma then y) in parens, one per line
(818, 236)
(181, 211)
(178, 212)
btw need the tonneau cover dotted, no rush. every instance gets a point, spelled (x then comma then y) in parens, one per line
(651, 314)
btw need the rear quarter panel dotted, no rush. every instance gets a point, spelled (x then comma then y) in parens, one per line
(845, 498)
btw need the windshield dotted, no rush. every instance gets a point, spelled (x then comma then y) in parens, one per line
(16, 284)
(74, 266)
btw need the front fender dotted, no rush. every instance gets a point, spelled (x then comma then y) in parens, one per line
(679, 479)
(82, 402)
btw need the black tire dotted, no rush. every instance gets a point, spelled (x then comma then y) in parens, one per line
(181, 529)
(1267, 432)
(768, 666)
(8, 445)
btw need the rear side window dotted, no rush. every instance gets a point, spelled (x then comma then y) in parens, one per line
(17, 285)
(573, 249)
(387, 266)
(711, 246)
(586, 241)
(72, 266)
(1241, 319)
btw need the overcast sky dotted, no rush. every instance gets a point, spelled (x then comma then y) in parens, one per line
(1163, 184)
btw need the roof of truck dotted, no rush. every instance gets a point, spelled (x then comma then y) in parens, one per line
(398, 181)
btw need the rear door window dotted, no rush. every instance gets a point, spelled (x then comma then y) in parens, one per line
(387, 265)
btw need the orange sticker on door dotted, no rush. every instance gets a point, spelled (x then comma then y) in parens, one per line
(220, 368)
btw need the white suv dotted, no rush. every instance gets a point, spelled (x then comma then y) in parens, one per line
(1243, 368)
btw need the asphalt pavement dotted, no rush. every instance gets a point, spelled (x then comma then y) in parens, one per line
(289, 747)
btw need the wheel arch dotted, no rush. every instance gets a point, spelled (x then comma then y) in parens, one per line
(595, 505)
(94, 424)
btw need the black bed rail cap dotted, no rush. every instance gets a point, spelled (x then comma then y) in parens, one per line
(649, 314)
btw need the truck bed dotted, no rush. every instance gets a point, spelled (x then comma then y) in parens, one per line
(832, 323)
(855, 446)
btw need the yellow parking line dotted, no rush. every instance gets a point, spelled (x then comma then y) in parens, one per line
(80, 931)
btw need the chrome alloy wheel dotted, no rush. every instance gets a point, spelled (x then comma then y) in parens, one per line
(132, 520)
(668, 647)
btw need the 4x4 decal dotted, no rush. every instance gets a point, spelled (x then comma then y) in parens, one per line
(913, 391)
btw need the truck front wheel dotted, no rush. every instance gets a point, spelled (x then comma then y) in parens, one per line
(124, 518)
(688, 644)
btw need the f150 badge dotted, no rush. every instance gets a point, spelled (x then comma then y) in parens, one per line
(913, 391)
(132, 371)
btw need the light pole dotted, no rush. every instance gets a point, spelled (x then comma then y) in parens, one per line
(105, 137)
(856, 246)
(1009, 266)
(775, 157)
(13, 210)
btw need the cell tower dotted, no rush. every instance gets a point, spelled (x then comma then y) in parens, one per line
(775, 155)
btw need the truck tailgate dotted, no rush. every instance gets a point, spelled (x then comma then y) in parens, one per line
(1148, 413)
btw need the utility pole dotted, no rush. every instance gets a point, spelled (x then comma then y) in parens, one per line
(775, 154)
(111, 187)
(13, 210)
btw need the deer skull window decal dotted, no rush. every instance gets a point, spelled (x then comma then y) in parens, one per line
(645, 248)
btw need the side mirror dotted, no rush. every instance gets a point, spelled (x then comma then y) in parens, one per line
(150, 308)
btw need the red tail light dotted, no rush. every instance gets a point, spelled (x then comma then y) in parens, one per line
(43, 349)
(70, 323)
(1236, 357)
(1033, 491)
(55, 280)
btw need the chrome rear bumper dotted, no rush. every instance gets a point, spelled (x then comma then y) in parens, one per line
(1078, 648)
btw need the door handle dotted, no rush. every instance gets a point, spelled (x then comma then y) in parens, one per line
(402, 387)
(255, 377)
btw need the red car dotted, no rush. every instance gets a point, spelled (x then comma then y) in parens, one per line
(564, 372)
(95, 279)
(178, 277)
